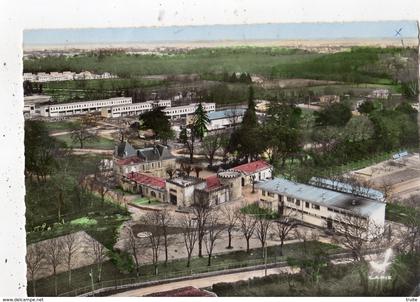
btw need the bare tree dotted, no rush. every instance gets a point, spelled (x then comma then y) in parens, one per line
(358, 234)
(170, 171)
(285, 225)
(54, 257)
(197, 170)
(133, 244)
(165, 220)
(101, 182)
(82, 133)
(186, 169)
(70, 248)
(201, 211)
(211, 144)
(262, 227)
(230, 214)
(98, 252)
(154, 219)
(247, 224)
(35, 255)
(214, 231)
(189, 233)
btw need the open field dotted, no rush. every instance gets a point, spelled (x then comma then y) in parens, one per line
(360, 65)
(99, 143)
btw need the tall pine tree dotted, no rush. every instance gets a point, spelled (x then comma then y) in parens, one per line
(201, 120)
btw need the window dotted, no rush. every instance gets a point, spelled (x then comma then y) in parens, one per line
(289, 199)
(307, 204)
(297, 202)
(315, 206)
(263, 193)
(270, 194)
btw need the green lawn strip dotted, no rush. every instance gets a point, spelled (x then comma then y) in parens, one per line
(400, 213)
(145, 201)
(99, 143)
(176, 268)
(60, 126)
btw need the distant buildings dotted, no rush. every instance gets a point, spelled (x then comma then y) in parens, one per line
(379, 94)
(42, 77)
(225, 119)
(187, 110)
(319, 206)
(134, 109)
(328, 99)
(76, 108)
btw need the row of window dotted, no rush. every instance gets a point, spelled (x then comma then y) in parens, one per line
(90, 105)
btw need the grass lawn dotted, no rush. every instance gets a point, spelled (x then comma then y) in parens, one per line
(99, 143)
(400, 213)
(145, 201)
(59, 126)
(178, 267)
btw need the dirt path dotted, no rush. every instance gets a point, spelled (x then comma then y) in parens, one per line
(206, 281)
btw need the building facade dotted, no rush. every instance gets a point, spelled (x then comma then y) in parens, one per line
(134, 109)
(254, 171)
(188, 110)
(76, 108)
(225, 119)
(318, 206)
(154, 160)
(146, 185)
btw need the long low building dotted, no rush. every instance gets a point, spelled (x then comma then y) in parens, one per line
(318, 206)
(225, 119)
(134, 109)
(187, 110)
(76, 108)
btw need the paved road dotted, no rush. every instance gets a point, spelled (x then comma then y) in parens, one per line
(204, 282)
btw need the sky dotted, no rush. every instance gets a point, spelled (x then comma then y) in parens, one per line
(286, 31)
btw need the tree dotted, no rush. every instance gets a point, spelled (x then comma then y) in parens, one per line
(41, 151)
(335, 114)
(285, 225)
(197, 170)
(247, 225)
(282, 131)
(211, 144)
(158, 122)
(98, 252)
(170, 171)
(70, 248)
(230, 215)
(213, 232)
(366, 107)
(358, 128)
(134, 245)
(165, 219)
(54, 256)
(262, 227)
(201, 210)
(189, 233)
(35, 255)
(81, 133)
(187, 137)
(101, 182)
(154, 220)
(358, 234)
(200, 122)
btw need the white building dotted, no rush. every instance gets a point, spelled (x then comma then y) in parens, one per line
(43, 77)
(134, 109)
(319, 206)
(380, 94)
(254, 171)
(225, 119)
(66, 109)
(185, 111)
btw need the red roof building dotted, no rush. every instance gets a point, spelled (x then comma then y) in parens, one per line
(129, 161)
(188, 291)
(252, 167)
(147, 180)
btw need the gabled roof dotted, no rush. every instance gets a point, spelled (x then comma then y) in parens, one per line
(252, 167)
(125, 149)
(148, 180)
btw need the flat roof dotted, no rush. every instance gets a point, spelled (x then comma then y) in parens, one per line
(228, 113)
(321, 196)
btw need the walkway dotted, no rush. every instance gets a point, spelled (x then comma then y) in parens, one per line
(206, 281)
